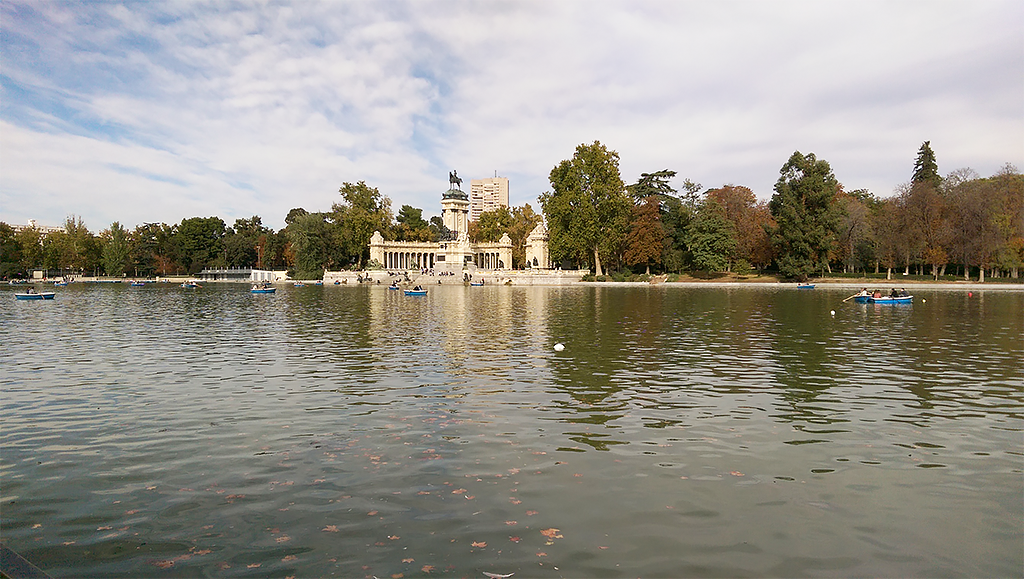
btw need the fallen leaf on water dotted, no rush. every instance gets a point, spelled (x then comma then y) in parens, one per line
(371, 513)
(253, 565)
(735, 473)
(204, 552)
(498, 575)
(283, 539)
(510, 523)
(331, 529)
(480, 544)
(427, 568)
(167, 564)
(531, 513)
(515, 501)
(458, 491)
(514, 539)
(542, 554)
(408, 560)
(104, 528)
(551, 533)
(398, 576)
(290, 558)
(602, 547)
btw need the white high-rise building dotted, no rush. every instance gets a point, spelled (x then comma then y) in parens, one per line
(487, 195)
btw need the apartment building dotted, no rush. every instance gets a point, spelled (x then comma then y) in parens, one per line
(487, 195)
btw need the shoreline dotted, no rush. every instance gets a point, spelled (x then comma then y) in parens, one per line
(566, 279)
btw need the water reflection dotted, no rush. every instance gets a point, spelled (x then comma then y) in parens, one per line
(347, 430)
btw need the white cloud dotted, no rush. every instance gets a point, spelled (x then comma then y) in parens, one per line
(157, 112)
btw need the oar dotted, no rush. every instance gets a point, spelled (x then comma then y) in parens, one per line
(851, 297)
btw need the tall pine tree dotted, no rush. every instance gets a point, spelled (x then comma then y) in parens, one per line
(925, 168)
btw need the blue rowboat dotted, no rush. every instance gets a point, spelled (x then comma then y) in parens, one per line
(415, 292)
(889, 300)
(394, 287)
(263, 290)
(35, 296)
(805, 286)
(476, 283)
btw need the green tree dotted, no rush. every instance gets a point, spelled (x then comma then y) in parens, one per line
(587, 210)
(243, 242)
(491, 225)
(116, 250)
(926, 170)
(74, 249)
(31, 254)
(363, 211)
(200, 242)
(806, 215)
(410, 225)
(309, 237)
(524, 221)
(711, 237)
(10, 252)
(653, 184)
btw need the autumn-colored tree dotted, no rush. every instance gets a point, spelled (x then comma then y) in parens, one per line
(645, 240)
(927, 220)
(887, 224)
(855, 228)
(750, 219)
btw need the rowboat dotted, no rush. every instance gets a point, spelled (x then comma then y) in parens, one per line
(476, 283)
(394, 287)
(35, 296)
(414, 292)
(190, 284)
(805, 286)
(262, 290)
(884, 300)
(136, 283)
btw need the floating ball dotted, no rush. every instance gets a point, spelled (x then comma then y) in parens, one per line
(970, 294)
(833, 312)
(559, 347)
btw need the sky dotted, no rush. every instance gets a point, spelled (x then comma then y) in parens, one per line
(143, 112)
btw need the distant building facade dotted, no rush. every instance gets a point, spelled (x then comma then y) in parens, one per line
(487, 195)
(44, 229)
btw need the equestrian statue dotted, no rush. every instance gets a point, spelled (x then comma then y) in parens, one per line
(454, 179)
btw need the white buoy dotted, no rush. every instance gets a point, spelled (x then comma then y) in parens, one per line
(923, 300)
(833, 312)
(559, 347)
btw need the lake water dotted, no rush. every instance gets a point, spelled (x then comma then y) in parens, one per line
(353, 431)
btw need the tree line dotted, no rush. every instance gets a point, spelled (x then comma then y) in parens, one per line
(309, 243)
(958, 224)
(812, 224)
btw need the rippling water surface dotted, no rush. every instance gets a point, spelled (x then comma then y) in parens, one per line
(354, 431)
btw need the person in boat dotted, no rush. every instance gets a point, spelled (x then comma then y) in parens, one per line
(876, 294)
(417, 288)
(904, 293)
(864, 292)
(894, 293)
